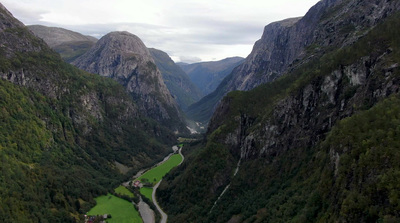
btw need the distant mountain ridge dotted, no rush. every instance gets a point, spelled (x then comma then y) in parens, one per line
(177, 81)
(123, 57)
(54, 36)
(67, 43)
(208, 75)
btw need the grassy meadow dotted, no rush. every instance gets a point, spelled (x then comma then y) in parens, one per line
(147, 192)
(121, 211)
(121, 190)
(156, 174)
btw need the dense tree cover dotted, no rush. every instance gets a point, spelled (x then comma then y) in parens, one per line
(61, 130)
(348, 175)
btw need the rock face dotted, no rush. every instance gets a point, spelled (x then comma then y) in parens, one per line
(344, 70)
(67, 43)
(62, 129)
(123, 57)
(285, 43)
(208, 75)
(176, 80)
(329, 23)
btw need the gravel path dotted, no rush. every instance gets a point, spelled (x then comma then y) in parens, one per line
(146, 212)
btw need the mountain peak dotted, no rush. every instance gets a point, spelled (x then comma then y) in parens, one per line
(123, 57)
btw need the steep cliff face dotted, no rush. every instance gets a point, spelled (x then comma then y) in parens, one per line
(62, 132)
(330, 24)
(124, 57)
(315, 145)
(176, 80)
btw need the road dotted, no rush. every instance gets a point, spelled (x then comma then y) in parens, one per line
(164, 216)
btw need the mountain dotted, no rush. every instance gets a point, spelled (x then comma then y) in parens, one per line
(283, 44)
(123, 57)
(64, 132)
(68, 44)
(208, 75)
(176, 80)
(317, 144)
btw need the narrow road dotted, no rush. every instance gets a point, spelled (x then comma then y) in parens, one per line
(164, 216)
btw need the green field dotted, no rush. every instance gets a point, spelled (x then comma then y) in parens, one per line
(121, 190)
(147, 192)
(156, 174)
(121, 210)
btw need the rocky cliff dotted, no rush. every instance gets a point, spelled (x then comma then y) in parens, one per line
(64, 132)
(67, 43)
(314, 145)
(176, 80)
(329, 24)
(123, 57)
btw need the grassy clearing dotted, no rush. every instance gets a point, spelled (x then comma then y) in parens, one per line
(157, 173)
(147, 192)
(121, 210)
(121, 190)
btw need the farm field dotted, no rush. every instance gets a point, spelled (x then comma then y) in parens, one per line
(147, 192)
(121, 211)
(123, 191)
(156, 174)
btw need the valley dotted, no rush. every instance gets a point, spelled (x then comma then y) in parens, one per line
(144, 183)
(304, 129)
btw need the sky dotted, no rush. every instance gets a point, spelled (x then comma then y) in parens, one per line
(188, 30)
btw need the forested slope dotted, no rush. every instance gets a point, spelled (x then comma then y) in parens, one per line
(63, 131)
(319, 144)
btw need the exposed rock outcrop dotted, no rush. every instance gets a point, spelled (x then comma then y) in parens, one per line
(123, 57)
(176, 80)
(339, 67)
(289, 43)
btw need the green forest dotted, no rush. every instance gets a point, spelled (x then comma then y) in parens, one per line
(57, 154)
(348, 175)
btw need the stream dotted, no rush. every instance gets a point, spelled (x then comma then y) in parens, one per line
(227, 187)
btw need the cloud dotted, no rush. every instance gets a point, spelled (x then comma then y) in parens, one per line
(186, 30)
(188, 59)
(25, 13)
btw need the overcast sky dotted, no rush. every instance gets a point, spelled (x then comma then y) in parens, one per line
(188, 30)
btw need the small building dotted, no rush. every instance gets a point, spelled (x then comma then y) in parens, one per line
(136, 183)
